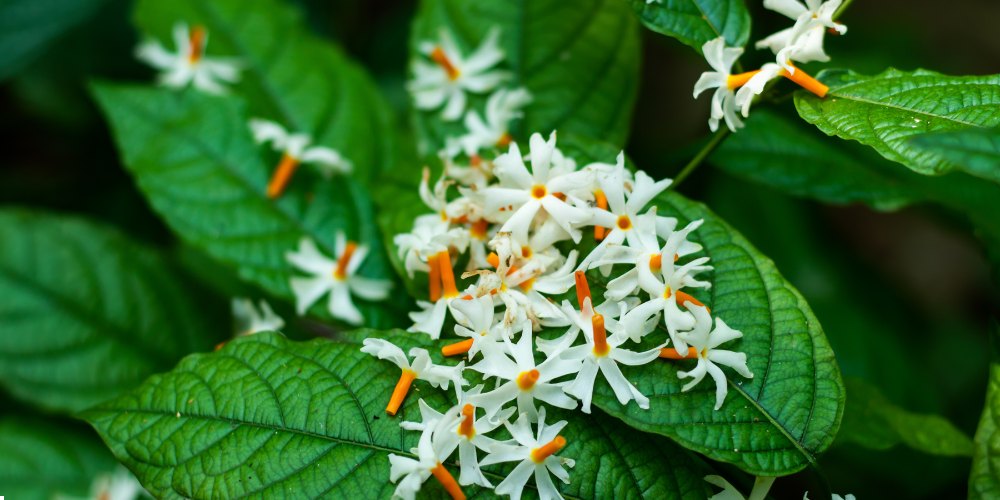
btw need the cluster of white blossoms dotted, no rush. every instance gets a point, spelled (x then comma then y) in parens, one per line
(801, 43)
(511, 221)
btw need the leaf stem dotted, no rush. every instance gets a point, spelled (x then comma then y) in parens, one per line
(700, 157)
(843, 7)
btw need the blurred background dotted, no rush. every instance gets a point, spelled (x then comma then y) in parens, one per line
(906, 298)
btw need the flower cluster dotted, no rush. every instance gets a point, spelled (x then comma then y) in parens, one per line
(801, 43)
(516, 223)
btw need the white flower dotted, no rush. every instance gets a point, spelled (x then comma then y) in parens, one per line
(721, 59)
(550, 184)
(483, 333)
(761, 485)
(295, 150)
(502, 107)
(755, 85)
(803, 42)
(705, 344)
(428, 238)
(433, 448)
(249, 320)
(603, 353)
(624, 212)
(117, 485)
(334, 276)
(189, 65)
(667, 295)
(452, 75)
(443, 292)
(537, 456)
(421, 368)
(525, 381)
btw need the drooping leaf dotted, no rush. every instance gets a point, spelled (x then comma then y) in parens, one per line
(195, 161)
(984, 480)
(44, 459)
(87, 314)
(778, 421)
(289, 75)
(973, 150)
(885, 111)
(872, 421)
(311, 416)
(694, 22)
(28, 26)
(579, 60)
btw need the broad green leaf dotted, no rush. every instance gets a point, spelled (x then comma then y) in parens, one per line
(694, 22)
(290, 76)
(265, 416)
(87, 314)
(885, 111)
(28, 26)
(973, 150)
(579, 60)
(44, 459)
(984, 480)
(194, 159)
(872, 421)
(773, 424)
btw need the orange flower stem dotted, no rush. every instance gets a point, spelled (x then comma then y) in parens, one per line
(582, 288)
(448, 482)
(447, 274)
(807, 82)
(602, 203)
(282, 176)
(671, 353)
(434, 278)
(399, 393)
(457, 348)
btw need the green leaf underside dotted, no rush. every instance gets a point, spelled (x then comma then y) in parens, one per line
(28, 26)
(773, 424)
(582, 71)
(40, 459)
(974, 150)
(194, 159)
(984, 479)
(84, 311)
(872, 421)
(267, 416)
(694, 22)
(887, 110)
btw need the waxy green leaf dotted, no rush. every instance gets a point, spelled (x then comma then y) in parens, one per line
(27, 27)
(41, 459)
(974, 150)
(86, 313)
(579, 60)
(984, 480)
(886, 111)
(195, 161)
(773, 424)
(872, 421)
(694, 22)
(265, 414)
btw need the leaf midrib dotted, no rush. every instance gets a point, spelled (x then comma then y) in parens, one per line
(855, 98)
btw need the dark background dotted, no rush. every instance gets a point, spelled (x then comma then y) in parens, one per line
(914, 280)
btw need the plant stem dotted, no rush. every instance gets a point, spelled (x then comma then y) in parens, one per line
(700, 157)
(843, 7)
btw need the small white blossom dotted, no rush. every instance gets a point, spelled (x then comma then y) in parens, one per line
(502, 107)
(451, 75)
(250, 320)
(433, 448)
(705, 342)
(761, 485)
(189, 65)
(803, 42)
(336, 277)
(721, 59)
(298, 147)
(537, 456)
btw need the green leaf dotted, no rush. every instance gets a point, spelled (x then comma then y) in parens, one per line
(887, 110)
(773, 424)
(87, 314)
(27, 27)
(975, 151)
(265, 414)
(289, 76)
(984, 480)
(194, 159)
(579, 60)
(43, 459)
(694, 22)
(872, 421)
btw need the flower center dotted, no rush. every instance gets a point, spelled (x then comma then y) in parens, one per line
(736, 81)
(197, 44)
(666, 292)
(439, 57)
(479, 228)
(538, 455)
(526, 252)
(467, 428)
(538, 191)
(601, 347)
(526, 380)
(340, 273)
(504, 140)
(656, 262)
(624, 223)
